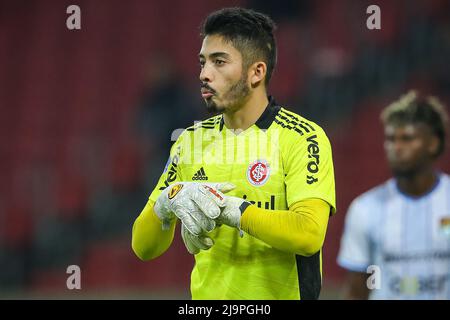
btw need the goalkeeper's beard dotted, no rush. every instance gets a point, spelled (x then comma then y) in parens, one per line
(233, 99)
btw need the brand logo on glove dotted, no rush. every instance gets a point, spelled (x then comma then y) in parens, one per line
(214, 192)
(175, 189)
(258, 172)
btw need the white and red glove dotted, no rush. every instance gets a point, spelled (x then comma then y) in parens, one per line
(231, 209)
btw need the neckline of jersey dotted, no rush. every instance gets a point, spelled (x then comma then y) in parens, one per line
(423, 196)
(264, 121)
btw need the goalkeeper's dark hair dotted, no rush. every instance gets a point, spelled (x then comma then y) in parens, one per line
(413, 108)
(250, 32)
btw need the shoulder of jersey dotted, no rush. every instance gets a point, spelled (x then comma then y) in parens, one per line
(209, 123)
(378, 194)
(291, 121)
(445, 177)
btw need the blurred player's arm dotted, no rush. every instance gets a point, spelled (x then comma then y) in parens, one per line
(149, 240)
(356, 286)
(300, 230)
(355, 253)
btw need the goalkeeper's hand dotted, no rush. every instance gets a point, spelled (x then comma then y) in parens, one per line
(195, 243)
(231, 211)
(195, 204)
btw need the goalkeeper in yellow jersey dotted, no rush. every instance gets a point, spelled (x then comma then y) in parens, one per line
(253, 186)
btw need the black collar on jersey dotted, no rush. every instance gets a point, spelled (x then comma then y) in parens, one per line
(267, 117)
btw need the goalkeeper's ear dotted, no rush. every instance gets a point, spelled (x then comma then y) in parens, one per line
(225, 187)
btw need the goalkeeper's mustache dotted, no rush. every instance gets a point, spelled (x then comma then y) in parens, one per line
(207, 88)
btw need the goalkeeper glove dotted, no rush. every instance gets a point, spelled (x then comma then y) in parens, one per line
(231, 211)
(195, 243)
(195, 204)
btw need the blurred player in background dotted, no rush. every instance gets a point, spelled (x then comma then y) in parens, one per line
(403, 225)
(254, 209)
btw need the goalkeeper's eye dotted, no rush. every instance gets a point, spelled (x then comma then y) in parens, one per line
(219, 62)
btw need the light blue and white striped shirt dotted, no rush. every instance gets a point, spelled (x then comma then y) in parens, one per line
(407, 238)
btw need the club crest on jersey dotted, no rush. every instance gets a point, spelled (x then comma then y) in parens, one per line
(258, 172)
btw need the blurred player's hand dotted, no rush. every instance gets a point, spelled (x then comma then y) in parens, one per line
(195, 204)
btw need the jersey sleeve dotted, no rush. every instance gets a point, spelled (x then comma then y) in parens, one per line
(171, 173)
(354, 253)
(309, 169)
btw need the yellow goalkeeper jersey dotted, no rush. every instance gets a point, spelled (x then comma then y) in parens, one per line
(281, 159)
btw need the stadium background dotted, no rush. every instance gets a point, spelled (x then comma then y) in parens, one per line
(86, 118)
